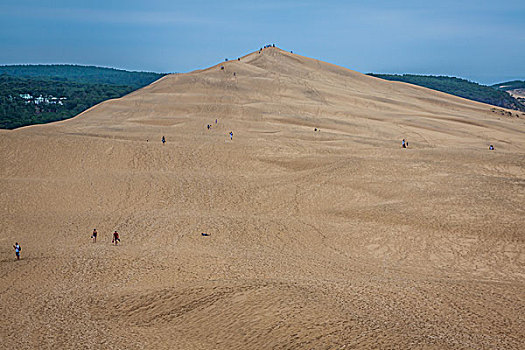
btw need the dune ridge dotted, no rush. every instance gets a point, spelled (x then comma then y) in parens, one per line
(329, 239)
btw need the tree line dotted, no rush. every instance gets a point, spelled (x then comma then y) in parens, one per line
(82, 74)
(36, 94)
(510, 85)
(459, 87)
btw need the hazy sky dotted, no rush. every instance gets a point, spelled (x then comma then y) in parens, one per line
(479, 40)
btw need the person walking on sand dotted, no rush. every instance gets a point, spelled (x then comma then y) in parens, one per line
(163, 140)
(17, 250)
(116, 238)
(403, 143)
(94, 235)
(231, 135)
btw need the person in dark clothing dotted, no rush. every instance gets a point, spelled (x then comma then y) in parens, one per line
(116, 238)
(94, 235)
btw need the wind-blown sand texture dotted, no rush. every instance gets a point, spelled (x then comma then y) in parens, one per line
(335, 239)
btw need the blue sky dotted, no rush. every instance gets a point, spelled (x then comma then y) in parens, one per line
(482, 41)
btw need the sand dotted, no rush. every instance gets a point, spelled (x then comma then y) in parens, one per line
(517, 93)
(329, 239)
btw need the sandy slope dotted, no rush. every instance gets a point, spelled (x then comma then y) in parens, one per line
(319, 240)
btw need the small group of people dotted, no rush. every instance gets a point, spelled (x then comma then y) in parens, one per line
(209, 125)
(115, 240)
(266, 46)
(491, 147)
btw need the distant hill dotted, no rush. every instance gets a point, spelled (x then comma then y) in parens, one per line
(510, 85)
(459, 87)
(82, 74)
(515, 88)
(36, 94)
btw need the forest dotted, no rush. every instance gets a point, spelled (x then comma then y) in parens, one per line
(510, 85)
(459, 87)
(82, 74)
(36, 94)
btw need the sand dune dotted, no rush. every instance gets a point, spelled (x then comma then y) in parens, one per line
(329, 239)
